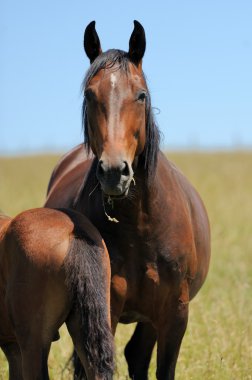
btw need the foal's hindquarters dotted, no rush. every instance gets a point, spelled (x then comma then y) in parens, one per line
(54, 268)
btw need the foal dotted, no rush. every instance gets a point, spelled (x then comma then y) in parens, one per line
(54, 268)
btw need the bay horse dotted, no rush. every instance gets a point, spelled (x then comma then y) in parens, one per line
(153, 221)
(54, 268)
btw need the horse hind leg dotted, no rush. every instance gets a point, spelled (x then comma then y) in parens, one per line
(83, 372)
(83, 369)
(13, 355)
(34, 330)
(139, 349)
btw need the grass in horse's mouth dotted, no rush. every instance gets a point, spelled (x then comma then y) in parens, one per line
(116, 197)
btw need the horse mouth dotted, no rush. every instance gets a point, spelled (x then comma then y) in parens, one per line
(117, 192)
(117, 196)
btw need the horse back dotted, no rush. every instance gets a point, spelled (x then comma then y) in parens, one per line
(67, 178)
(67, 162)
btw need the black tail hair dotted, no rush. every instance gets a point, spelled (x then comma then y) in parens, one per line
(86, 279)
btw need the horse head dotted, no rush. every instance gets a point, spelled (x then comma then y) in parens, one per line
(117, 117)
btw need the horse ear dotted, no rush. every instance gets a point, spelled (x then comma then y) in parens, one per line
(137, 43)
(92, 44)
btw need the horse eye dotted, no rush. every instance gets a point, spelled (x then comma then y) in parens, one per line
(89, 95)
(136, 134)
(141, 97)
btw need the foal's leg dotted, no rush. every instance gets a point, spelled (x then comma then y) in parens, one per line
(73, 323)
(139, 349)
(170, 335)
(13, 355)
(37, 308)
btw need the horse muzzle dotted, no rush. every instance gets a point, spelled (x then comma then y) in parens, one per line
(115, 180)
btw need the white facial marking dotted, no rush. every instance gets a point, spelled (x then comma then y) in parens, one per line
(113, 80)
(113, 116)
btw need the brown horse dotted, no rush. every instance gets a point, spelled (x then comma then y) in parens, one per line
(54, 268)
(152, 220)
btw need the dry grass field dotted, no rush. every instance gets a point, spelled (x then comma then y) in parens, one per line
(218, 341)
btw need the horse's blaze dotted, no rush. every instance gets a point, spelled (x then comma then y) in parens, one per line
(116, 118)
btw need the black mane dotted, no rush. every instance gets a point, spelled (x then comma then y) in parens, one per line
(109, 59)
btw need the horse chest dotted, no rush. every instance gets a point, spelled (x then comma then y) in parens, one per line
(144, 262)
(135, 292)
(139, 280)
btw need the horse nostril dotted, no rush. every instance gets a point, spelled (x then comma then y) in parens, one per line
(110, 173)
(125, 169)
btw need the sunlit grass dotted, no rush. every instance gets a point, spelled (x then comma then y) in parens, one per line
(218, 341)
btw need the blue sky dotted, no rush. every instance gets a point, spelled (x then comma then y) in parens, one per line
(198, 64)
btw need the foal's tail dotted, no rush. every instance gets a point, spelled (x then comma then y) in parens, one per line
(89, 282)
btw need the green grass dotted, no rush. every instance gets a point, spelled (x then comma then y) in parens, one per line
(218, 341)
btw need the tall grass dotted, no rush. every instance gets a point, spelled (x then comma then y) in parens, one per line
(218, 341)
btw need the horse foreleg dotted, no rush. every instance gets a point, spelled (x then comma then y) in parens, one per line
(139, 350)
(13, 355)
(170, 335)
(34, 360)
